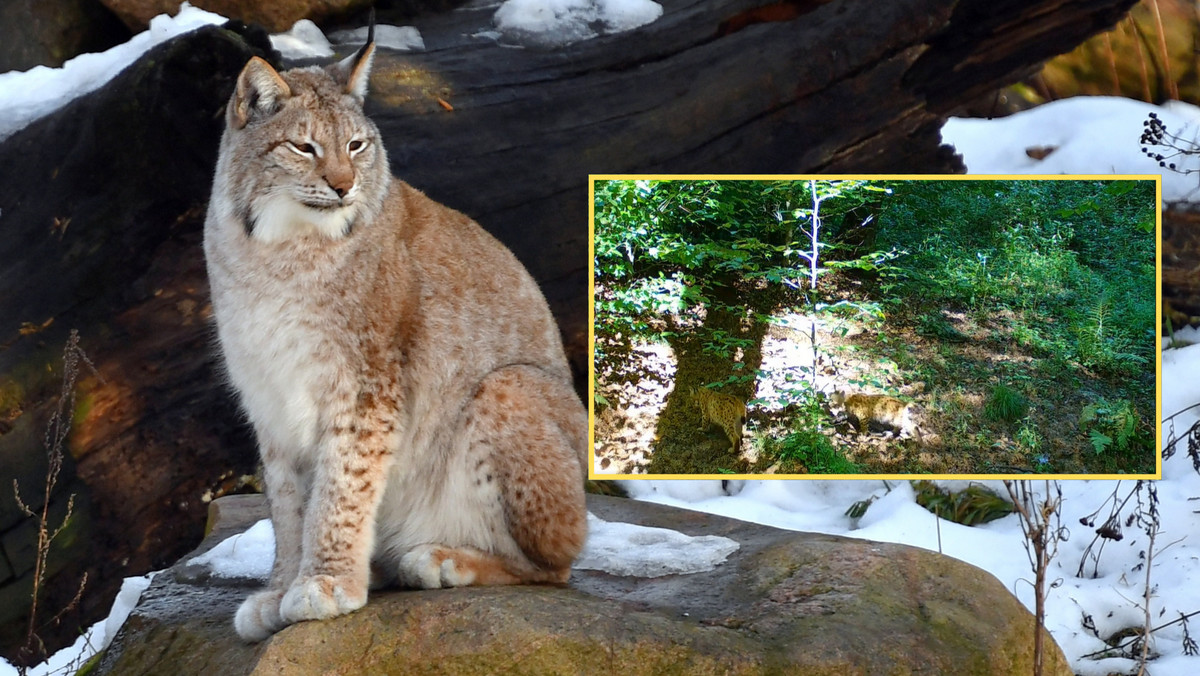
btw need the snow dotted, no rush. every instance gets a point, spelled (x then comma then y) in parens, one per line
(556, 23)
(1088, 135)
(95, 639)
(627, 549)
(616, 548)
(401, 38)
(28, 95)
(304, 41)
(246, 555)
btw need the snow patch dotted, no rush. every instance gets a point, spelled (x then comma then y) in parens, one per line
(556, 23)
(245, 555)
(304, 41)
(28, 95)
(1081, 135)
(630, 550)
(615, 548)
(401, 38)
(95, 639)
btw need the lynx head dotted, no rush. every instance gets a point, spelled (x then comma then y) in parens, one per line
(298, 156)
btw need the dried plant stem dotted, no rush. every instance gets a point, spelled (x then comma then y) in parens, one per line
(1145, 653)
(1106, 650)
(1041, 544)
(1148, 519)
(57, 431)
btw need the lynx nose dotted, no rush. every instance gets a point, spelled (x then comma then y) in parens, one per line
(341, 186)
(340, 179)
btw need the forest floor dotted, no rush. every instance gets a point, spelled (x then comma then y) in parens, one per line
(948, 377)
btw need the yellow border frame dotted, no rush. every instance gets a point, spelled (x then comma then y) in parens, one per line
(592, 178)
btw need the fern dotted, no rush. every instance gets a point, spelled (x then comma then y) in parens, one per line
(1100, 441)
(971, 506)
(1112, 425)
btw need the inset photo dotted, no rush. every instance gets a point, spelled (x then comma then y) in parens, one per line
(795, 327)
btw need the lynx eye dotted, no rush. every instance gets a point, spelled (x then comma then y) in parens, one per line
(356, 145)
(305, 149)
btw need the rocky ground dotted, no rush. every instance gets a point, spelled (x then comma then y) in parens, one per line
(783, 602)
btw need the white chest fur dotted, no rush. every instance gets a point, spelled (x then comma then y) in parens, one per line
(282, 352)
(280, 378)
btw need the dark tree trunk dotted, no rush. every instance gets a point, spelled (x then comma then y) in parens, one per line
(1180, 263)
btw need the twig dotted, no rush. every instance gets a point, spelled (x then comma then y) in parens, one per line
(1041, 544)
(1151, 523)
(1120, 646)
(1109, 530)
(57, 431)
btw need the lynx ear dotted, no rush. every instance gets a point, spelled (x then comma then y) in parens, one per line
(355, 70)
(260, 91)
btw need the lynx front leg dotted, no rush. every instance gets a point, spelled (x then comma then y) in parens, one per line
(339, 524)
(258, 617)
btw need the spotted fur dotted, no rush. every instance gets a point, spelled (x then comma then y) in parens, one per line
(865, 411)
(723, 410)
(402, 371)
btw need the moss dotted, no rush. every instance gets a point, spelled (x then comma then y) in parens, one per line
(12, 398)
(90, 665)
(397, 86)
(84, 401)
(37, 375)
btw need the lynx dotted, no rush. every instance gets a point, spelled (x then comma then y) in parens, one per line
(724, 410)
(404, 376)
(890, 413)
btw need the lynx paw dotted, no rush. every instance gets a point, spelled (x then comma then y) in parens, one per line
(431, 567)
(258, 616)
(321, 597)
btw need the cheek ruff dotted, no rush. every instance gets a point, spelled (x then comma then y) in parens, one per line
(281, 217)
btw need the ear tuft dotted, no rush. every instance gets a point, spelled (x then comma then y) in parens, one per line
(357, 68)
(260, 91)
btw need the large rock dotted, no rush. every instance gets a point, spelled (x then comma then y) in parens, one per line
(783, 603)
(275, 15)
(48, 32)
